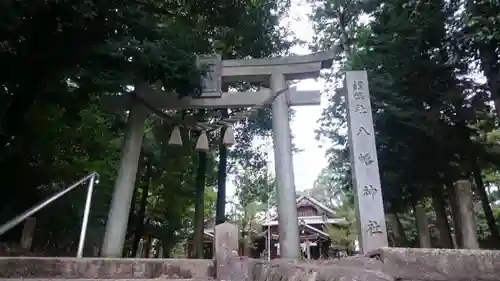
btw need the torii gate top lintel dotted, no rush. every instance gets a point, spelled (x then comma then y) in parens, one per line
(294, 67)
(325, 57)
(223, 72)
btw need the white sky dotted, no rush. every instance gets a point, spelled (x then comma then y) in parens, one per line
(308, 163)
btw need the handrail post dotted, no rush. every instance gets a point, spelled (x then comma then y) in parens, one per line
(86, 213)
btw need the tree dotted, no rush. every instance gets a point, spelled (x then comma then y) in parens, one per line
(328, 189)
(344, 235)
(63, 56)
(429, 115)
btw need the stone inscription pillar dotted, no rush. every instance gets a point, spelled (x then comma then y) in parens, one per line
(364, 163)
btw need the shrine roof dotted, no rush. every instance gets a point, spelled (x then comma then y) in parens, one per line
(313, 202)
(316, 203)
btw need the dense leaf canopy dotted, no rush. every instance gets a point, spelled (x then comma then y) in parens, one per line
(434, 115)
(60, 57)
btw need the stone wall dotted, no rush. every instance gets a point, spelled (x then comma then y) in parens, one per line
(383, 264)
(440, 264)
(387, 264)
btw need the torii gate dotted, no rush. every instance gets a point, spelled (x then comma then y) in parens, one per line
(273, 72)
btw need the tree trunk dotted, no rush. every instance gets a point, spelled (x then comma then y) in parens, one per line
(344, 38)
(167, 250)
(147, 246)
(422, 224)
(442, 223)
(485, 202)
(466, 214)
(131, 213)
(142, 211)
(489, 63)
(402, 232)
(455, 214)
(398, 231)
(14, 120)
(220, 214)
(488, 55)
(140, 249)
(168, 243)
(249, 245)
(199, 208)
(159, 252)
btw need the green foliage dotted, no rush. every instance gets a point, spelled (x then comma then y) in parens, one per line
(255, 185)
(344, 235)
(58, 59)
(434, 123)
(328, 189)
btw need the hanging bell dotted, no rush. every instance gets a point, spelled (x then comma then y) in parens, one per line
(228, 138)
(202, 143)
(175, 137)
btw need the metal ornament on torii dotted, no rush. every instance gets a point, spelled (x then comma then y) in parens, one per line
(274, 73)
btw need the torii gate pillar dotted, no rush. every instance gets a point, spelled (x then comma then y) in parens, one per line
(285, 178)
(116, 226)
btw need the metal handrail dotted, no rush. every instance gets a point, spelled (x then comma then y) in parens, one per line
(93, 177)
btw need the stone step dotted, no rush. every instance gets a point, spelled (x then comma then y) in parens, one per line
(104, 269)
(66, 279)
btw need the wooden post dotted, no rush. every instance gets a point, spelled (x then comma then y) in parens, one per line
(226, 250)
(28, 233)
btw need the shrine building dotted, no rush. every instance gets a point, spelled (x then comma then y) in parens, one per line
(313, 218)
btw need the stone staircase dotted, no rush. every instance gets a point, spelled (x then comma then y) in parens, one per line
(55, 269)
(387, 264)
